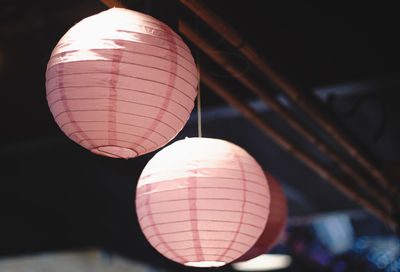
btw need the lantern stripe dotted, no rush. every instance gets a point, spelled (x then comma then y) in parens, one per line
(133, 114)
(113, 40)
(218, 241)
(156, 231)
(116, 72)
(84, 76)
(103, 142)
(60, 83)
(206, 187)
(193, 216)
(116, 133)
(68, 124)
(203, 203)
(170, 88)
(232, 195)
(185, 61)
(207, 169)
(161, 207)
(119, 100)
(127, 138)
(93, 81)
(211, 198)
(242, 210)
(199, 209)
(203, 220)
(96, 66)
(53, 104)
(225, 218)
(200, 230)
(137, 30)
(132, 56)
(154, 177)
(205, 240)
(228, 257)
(134, 47)
(53, 92)
(169, 119)
(185, 226)
(81, 141)
(204, 247)
(205, 209)
(112, 118)
(117, 123)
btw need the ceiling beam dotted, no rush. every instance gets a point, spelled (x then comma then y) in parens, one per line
(283, 112)
(293, 148)
(113, 3)
(315, 111)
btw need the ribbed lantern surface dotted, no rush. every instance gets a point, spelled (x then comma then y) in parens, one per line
(202, 202)
(121, 83)
(276, 223)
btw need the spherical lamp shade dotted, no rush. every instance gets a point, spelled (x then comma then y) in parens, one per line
(276, 223)
(202, 202)
(121, 83)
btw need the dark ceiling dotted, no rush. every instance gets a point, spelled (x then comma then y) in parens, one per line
(55, 195)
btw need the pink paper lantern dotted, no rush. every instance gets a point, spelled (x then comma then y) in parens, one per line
(276, 223)
(121, 83)
(202, 202)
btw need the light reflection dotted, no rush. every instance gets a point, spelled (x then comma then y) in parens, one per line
(265, 262)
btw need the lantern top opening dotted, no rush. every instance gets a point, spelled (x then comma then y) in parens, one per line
(115, 152)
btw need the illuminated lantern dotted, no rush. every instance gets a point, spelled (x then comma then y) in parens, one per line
(121, 83)
(276, 223)
(202, 202)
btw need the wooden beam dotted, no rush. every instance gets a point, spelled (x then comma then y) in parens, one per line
(310, 107)
(113, 3)
(292, 148)
(283, 112)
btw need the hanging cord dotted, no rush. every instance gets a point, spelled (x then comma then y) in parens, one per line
(199, 130)
(198, 100)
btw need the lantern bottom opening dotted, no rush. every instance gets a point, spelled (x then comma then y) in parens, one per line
(205, 264)
(115, 151)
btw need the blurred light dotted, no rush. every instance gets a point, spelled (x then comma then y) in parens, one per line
(335, 232)
(382, 251)
(77, 261)
(265, 262)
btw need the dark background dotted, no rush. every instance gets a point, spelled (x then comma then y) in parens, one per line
(55, 195)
